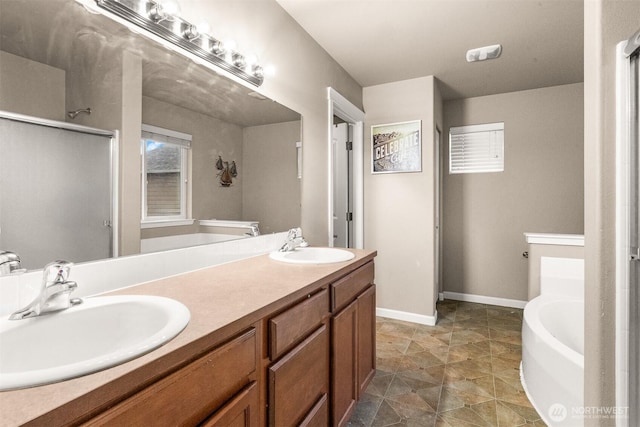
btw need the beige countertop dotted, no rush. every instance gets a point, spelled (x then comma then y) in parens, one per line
(221, 299)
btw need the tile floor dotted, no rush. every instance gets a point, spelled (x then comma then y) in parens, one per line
(462, 372)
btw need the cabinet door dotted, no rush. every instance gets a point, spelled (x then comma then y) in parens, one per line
(242, 411)
(299, 379)
(344, 391)
(366, 338)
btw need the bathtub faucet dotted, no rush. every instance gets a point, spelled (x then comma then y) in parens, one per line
(294, 240)
(54, 293)
(255, 230)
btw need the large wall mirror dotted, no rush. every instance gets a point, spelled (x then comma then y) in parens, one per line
(58, 58)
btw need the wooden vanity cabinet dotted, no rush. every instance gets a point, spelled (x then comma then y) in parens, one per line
(352, 341)
(303, 364)
(298, 378)
(218, 388)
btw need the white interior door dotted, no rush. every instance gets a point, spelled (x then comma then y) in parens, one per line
(341, 186)
(339, 107)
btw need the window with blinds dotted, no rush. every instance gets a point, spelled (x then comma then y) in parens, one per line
(164, 177)
(476, 148)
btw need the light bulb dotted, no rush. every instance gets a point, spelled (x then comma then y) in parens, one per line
(170, 7)
(230, 45)
(251, 60)
(203, 27)
(270, 70)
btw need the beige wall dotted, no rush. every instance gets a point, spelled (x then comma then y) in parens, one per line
(540, 190)
(271, 193)
(31, 88)
(128, 114)
(399, 208)
(606, 24)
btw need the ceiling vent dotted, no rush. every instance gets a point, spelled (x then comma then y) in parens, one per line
(484, 53)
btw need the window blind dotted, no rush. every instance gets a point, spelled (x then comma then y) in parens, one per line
(476, 148)
(165, 135)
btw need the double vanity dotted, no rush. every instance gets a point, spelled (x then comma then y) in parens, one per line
(268, 342)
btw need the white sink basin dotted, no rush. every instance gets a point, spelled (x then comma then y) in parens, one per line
(312, 255)
(99, 333)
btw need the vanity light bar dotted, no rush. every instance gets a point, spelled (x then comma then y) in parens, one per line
(150, 15)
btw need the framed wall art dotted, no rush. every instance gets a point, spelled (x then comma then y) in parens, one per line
(396, 147)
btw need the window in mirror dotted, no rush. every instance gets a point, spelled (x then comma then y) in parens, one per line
(165, 183)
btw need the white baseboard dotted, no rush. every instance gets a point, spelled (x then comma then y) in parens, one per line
(407, 317)
(503, 302)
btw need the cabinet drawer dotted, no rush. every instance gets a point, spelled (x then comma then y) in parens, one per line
(241, 411)
(298, 380)
(187, 396)
(346, 289)
(319, 415)
(290, 327)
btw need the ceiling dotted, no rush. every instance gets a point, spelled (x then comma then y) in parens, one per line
(382, 41)
(63, 34)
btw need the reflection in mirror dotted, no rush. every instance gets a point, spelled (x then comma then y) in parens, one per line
(56, 57)
(60, 187)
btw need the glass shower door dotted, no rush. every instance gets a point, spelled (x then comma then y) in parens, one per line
(55, 193)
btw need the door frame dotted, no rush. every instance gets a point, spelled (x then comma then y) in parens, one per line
(340, 106)
(627, 343)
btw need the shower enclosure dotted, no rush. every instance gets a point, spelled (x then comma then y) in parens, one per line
(56, 190)
(627, 230)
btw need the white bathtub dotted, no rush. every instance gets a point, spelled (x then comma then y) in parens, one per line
(156, 244)
(552, 369)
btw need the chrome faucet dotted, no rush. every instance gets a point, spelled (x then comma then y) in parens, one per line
(255, 230)
(9, 262)
(54, 293)
(294, 240)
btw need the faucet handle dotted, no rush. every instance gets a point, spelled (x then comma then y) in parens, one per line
(294, 232)
(56, 272)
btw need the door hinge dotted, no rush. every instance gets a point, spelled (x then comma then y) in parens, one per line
(349, 145)
(349, 216)
(634, 254)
